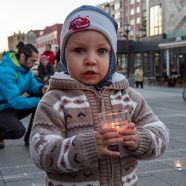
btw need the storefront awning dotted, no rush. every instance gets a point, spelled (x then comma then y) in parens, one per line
(174, 44)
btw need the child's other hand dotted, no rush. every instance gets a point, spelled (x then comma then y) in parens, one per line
(130, 136)
(106, 137)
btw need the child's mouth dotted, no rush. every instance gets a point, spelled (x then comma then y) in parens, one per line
(89, 73)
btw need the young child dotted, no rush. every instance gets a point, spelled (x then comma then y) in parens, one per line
(45, 70)
(67, 140)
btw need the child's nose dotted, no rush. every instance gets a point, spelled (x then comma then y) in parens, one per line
(90, 59)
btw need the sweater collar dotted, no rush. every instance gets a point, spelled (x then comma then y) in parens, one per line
(65, 81)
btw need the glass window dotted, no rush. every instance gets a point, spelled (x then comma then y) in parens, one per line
(138, 9)
(138, 60)
(132, 21)
(131, 1)
(132, 12)
(117, 6)
(138, 20)
(122, 63)
(147, 65)
(157, 65)
(117, 15)
(155, 20)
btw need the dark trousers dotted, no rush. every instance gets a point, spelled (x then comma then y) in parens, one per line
(11, 126)
(139, 83)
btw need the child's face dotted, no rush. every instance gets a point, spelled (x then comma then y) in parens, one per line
(87, 56)
(44, 62)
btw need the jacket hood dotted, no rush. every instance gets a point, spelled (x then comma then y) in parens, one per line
(10, 60)
(65, 81)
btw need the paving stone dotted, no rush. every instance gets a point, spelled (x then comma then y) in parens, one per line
(173, 178)
(151, 181)
(34, 182)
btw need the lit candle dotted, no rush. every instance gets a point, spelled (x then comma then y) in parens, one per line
(178, 165)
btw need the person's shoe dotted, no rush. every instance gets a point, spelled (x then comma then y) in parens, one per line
(2, 144)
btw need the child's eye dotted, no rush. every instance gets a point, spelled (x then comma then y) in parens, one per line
(79, 50)
(102, 51)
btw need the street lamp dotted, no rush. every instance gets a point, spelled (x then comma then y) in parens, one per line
(127, 28)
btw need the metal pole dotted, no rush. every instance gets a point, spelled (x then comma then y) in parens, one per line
(127, 56)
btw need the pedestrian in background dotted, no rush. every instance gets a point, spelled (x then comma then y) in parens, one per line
(67, 140)
(45, 70)
(50, 54)
(138, 74)
(16, 80)
(59, 66)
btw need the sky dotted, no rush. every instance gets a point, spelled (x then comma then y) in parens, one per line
(24, 15)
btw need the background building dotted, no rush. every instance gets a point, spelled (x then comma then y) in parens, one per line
(29, 37)
(49, 35)
(167, 18)
(126, 12)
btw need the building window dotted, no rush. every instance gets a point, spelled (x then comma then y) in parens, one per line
(131, 1)
(132, 12)
(132, 21)
(155, 20)
(117, 15)
(138, 20)
(138, 9)
(117, 6)
(131, 33)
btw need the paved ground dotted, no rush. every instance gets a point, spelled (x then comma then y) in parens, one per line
(17, 169)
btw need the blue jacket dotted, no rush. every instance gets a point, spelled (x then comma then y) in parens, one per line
(15, 81)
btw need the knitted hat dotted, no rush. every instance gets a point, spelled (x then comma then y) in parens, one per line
(89, 17)
(43, 58)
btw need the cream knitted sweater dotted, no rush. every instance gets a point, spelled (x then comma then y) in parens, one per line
(63, 135)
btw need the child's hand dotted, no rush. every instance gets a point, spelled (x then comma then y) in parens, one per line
(130, 136)
(106, 137)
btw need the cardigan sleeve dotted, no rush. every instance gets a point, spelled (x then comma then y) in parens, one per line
(154, 135)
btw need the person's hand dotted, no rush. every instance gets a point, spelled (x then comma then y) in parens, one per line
(130, 136)
(106, 137)
(45, 79)
(44, 89)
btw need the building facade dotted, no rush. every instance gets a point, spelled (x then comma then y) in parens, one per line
(168, 18)
(29, 37)
(132, 12)
(49, 35)
(156, 39)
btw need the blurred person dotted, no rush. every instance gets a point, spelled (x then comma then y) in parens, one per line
(16, 83)
(67, 140)
(50, 54)
(59, 66)
(45, 69)
(138, 74)
(164, 75)
(173, 77)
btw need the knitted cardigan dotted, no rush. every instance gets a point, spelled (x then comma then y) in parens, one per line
(63, 141)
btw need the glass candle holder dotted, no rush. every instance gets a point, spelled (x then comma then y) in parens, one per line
(114, 120)
(178, 165)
